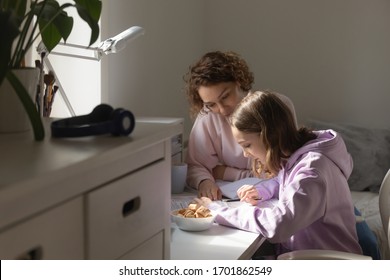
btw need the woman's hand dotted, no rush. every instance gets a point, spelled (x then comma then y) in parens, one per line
(209, 189)
(249, 194)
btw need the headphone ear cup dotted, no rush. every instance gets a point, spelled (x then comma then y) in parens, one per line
(123, 122)
(102, 120)
(101, 113)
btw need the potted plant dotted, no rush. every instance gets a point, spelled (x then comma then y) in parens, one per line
(22, 22)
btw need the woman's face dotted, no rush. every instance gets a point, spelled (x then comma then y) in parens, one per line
(221, 98)
(251, 144)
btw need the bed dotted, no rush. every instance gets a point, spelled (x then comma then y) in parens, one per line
(370, 150)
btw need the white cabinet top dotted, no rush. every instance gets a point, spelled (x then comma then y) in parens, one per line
(36, 175)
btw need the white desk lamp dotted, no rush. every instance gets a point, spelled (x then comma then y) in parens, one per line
(111, 45)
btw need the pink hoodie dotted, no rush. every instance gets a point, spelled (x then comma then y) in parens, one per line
(314, 208)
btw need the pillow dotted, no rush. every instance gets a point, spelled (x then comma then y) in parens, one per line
(370, 150)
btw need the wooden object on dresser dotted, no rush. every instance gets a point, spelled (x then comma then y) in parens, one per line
(97, 197)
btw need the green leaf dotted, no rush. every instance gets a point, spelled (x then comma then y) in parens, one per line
(29, 106)
(50, 34)
(64, 25)
(53, 32)
(54, 22)
(90, 11)
(93, 8)
(8, 32)
(19, 6)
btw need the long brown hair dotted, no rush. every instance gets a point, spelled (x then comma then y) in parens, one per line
(214, 68)
(263, 112)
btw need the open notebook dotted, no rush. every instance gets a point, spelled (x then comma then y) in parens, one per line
(229, 189)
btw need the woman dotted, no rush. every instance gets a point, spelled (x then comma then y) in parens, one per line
(215, 85)
(313, 208)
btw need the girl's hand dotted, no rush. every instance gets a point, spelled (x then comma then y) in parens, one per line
(249, 194)
(204, 201)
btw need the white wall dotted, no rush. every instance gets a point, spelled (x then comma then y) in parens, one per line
(331, 57)
(80, 78)
(146, 77)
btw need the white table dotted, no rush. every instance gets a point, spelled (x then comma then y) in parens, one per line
(216, 243)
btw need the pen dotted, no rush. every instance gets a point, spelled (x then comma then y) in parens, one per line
(236, 199)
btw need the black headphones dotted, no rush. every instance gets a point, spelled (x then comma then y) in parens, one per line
(102, 120)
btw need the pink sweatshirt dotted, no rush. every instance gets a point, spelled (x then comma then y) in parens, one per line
(211, 142)
(314, 208)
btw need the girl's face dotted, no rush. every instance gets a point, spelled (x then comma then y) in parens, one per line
(221, 98)
(251, 144)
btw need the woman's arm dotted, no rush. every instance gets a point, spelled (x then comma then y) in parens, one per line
(201, 155)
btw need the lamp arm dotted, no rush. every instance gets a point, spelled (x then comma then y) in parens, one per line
(42, 49)
(118, 42)
(111, 45)
(76, 55)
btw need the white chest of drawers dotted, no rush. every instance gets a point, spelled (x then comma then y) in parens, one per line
(98, 197)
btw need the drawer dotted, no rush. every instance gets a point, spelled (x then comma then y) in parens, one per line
(55, 234)
(151, 249)
(128, 211)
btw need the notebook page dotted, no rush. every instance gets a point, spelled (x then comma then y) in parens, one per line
(229, 189)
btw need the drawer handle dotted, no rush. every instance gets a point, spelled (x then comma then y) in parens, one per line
(33, 254)
(131, 206)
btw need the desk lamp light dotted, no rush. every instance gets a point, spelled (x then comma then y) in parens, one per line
(112, 45)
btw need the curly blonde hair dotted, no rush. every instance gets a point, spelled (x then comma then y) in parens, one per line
(214, 68)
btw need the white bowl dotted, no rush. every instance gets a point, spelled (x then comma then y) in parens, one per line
(192, 224)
